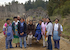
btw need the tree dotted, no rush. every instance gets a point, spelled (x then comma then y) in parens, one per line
(36, 4)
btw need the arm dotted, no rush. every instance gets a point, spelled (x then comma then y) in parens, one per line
(4, 30)
(49, 29)
(12, 27)
(61, 28)
(25, 27)
(18, 28)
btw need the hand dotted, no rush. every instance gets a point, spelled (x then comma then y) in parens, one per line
(30, 33)
(5, 35)
(52, 35)
(60, 34)
(14, 34)
(46, 35)
(20, 33)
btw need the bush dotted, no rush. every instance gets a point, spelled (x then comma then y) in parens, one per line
(56, 11)
(63, 10)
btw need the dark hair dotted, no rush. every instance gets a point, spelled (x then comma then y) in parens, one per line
(21, 18)
(49, 19)
(40, 20)
(7, 19)
(31, 21)
(57, 19)
(15, 18)
(44, 17)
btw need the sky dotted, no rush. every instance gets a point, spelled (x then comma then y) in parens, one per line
(2, 2)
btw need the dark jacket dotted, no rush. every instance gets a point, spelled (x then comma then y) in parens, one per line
(31, 28)
(23, 28)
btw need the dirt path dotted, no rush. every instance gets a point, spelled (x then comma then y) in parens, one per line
(35, 46)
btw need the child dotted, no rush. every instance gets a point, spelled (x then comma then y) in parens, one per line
(15, 31)
(7, 30)
(22, 32)
(38, 31)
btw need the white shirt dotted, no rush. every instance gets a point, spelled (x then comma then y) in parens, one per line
(56, 27)
(16, 22)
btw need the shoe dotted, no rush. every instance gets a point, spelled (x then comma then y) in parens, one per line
(37, 40)
(55, 47)
(20, 47)
(6, 48)
(30, 45)
(16, 45)
(43, 46)
(25, 47)
(34, 37)
(11, 47)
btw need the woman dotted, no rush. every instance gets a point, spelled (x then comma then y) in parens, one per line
(43, 26)
(7, 30)
(30, 32)
(22, 32)
(49, 29)
(15, 31)
(38, 31)
(57, 30)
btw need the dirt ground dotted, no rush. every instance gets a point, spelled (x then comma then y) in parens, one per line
(35, 46)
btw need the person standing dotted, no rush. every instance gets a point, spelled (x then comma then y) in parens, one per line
(18, 17)
(30, 32)
(49, 29)
(22, 32)
(43, 26)
(57, 30)
(7, 30)
(38, 31)
(15, 31)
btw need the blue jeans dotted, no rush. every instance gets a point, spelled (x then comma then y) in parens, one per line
(38, 36)
(56, 44)
(24, 40)
(8, 43)
(49, 43)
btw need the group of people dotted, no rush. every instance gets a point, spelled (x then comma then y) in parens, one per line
(18, 31)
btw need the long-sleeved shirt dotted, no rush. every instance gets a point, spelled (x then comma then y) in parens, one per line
(49, 28)
(56, 27)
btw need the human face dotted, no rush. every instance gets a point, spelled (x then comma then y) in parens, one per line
(21, 20)
(44, 19)
(30, 22)
(56, 21)
(18, 17)
(47, 20)
(40, 22)
(8, 21)
(15, 19)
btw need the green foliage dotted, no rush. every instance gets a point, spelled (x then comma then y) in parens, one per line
(52, 5)
(56, 9)
(36, 4)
